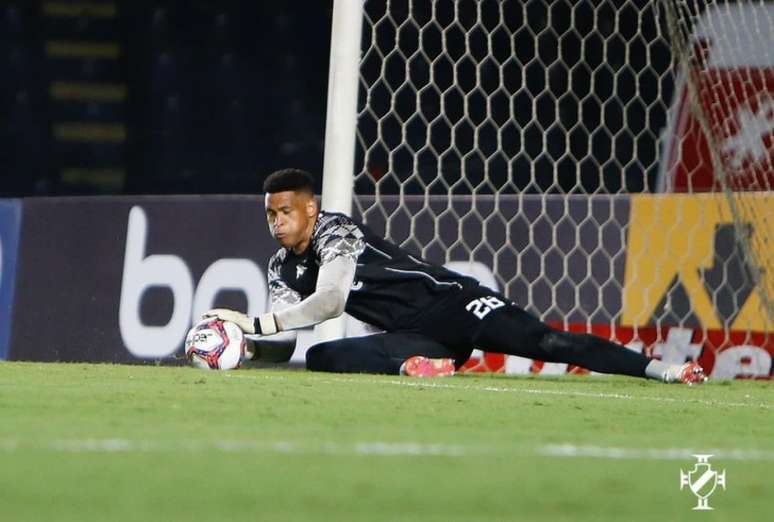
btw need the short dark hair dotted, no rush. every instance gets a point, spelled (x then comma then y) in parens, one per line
(289, 179)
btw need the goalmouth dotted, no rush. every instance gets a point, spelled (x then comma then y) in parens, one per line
(586, 154)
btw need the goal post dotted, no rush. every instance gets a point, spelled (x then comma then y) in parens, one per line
(341, 124)
(607, 165)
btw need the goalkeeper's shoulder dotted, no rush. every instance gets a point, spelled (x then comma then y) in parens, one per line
(337, 230)
(276, 260)
(335, 221)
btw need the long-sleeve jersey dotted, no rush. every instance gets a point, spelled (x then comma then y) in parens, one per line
(390, 289)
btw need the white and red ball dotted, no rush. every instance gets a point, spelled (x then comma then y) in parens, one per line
(213, 344)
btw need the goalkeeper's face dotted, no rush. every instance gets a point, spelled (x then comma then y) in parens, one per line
(291, 216)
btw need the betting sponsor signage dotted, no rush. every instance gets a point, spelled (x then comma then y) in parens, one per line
(122, 279)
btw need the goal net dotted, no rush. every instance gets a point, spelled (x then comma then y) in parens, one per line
(607, 165)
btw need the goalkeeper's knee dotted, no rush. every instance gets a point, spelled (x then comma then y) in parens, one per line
(560, 346)
(318, 358)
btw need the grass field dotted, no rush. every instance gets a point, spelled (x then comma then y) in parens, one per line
(116, 443)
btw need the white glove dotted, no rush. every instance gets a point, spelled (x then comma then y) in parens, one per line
(262, 325)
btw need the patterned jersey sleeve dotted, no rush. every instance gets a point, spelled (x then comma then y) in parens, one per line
(339, 236)
(280, 294)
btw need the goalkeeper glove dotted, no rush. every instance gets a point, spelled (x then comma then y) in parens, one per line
(264, 324)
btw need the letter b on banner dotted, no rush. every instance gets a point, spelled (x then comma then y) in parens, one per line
(169, 271)
(141, 273)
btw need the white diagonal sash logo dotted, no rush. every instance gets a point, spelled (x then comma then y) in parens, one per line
(702, 481)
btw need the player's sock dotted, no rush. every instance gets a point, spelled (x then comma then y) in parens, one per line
(688, 373)
(657, 370)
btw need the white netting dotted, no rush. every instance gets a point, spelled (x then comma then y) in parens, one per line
(513, 133)
(503, 96)
(725, 56)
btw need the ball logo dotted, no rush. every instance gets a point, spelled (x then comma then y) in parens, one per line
(199, 337)
(142, 272)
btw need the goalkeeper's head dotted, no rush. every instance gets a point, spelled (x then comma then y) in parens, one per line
(291, 207)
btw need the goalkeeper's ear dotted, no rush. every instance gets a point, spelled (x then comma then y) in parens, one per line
(311, 207)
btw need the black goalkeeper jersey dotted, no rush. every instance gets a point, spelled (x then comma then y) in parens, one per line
(392, 288)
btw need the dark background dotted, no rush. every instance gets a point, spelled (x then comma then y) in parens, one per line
(217, 94)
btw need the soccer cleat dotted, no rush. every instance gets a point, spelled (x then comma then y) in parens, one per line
(419, 366)
(692, 373)
(688, 373)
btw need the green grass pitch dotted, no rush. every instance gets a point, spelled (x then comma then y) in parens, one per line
(143, 443)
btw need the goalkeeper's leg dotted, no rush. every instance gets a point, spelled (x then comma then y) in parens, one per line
(380, 353)
(514, 331)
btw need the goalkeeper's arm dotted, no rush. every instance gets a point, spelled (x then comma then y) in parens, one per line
(328, 301)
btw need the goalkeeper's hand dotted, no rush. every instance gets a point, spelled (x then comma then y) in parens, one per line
(264, 324)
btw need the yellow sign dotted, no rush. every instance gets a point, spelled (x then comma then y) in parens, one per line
(676, 238)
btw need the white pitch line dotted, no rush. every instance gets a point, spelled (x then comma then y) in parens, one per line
(532, 391)
(120, 445)
(379, 449)
(97, 446)
(605, 452)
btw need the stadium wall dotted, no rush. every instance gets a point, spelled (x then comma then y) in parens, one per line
(10, 211)
(121, 279)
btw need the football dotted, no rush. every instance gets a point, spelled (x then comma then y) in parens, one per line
(213, 344)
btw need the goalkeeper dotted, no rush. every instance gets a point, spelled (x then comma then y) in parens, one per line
(432, 318)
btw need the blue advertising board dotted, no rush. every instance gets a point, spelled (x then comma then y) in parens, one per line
(10, 210)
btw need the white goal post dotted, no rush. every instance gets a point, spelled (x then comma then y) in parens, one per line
(341, 123)
(607, 165)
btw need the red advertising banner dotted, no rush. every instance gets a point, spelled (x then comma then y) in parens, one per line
(732, 72)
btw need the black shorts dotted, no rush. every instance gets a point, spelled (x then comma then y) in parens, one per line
(459, 321)
(474, 318)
